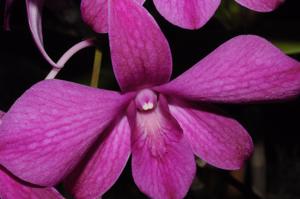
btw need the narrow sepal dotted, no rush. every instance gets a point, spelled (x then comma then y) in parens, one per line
(140, 53)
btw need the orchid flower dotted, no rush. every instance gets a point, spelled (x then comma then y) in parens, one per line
(34, 14)
(10, 187)
(189, 14)
(62, 131)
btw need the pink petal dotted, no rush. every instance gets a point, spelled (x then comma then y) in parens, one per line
(190, 14)
(218, 140)
(104, 165)
(34, 13)
(12, 188)
(244, 69)
(140, 53)
(50, 127)
(1, 115)
(94, 13)
(7, 12)
(260, 5)
(163, 165)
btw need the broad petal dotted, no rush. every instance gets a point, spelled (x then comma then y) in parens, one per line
(104, 165)
(163, 165)
(94, 13)
(190, 14)
(140, 53)
(244, 69)
(260, 5)
(50, 127)
(13, 188)
(218, 140)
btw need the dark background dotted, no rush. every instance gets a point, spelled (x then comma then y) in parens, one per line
(274, 170)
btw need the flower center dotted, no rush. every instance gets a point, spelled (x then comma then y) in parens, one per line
(146, 100)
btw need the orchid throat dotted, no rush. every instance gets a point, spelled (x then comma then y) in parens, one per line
(146, 100)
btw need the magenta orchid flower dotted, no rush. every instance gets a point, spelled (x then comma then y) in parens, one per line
(189, 14)
(11, 187)
(62, 131)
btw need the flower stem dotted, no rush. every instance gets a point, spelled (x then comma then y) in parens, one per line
(96, 68)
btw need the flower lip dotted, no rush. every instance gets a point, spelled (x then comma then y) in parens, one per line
(146, 100)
